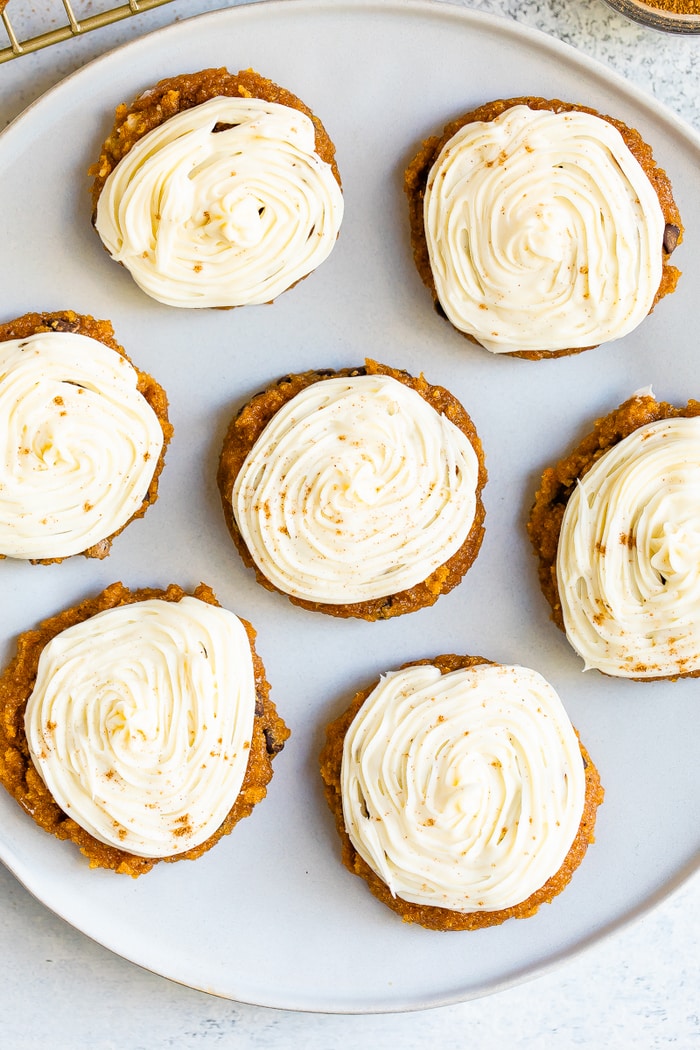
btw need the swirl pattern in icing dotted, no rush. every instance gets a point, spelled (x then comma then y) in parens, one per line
(140, 722)
(465, 790)
(224, 204)
(628, 559)
(79, 444)
(356, 489)
(544, 232)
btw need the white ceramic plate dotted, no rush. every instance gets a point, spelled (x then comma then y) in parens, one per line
(270, 916)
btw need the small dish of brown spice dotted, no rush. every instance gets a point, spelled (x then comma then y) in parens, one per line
(669, 16)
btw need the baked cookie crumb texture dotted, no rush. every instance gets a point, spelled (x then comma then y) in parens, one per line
(153, 773)
(355, 492)
(445, 781)
(84, 434)
(217, 189)
(542, 227)
(616, 528)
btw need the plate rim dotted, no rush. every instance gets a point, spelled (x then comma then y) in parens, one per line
(498, 24)
(433, 8)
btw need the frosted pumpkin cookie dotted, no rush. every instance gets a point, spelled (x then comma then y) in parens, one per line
(542, 227)
(356, 492)
(83, 435)
(138, 725)
(461, 792)
(217, 189)
(616, 527)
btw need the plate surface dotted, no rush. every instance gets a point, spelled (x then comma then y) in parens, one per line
(270, 916)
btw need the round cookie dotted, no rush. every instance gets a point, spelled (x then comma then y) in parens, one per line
(615, 527)
(461, 792)
(169, 736)
(541, 227)
(85, 435)
(217, 189)
(355, 492)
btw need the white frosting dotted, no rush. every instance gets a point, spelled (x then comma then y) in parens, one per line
(222, 218)
(465, 790)
(544, 232)
(628, 561)
(79, 444)
(356, 489)
(140, 722)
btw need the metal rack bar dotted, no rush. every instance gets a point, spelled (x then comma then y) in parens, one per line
(72, 28)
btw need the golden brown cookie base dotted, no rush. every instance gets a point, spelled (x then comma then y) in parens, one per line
(69, 321)
(416, 178)
(249, 423)
(175, 94)
(443, 918)
(21, 779)
(559, 481)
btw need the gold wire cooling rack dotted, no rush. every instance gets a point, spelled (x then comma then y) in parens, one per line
(72, 27)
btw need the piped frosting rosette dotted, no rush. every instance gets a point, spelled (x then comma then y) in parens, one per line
(79, 444)
(628, 560)
(463, 790)
(543, 231)
(140, 722)
(224, 204)
(357, 488)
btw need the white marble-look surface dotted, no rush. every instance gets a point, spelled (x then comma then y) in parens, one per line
(640, 987)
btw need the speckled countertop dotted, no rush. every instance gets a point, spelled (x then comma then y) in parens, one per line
(639, 987)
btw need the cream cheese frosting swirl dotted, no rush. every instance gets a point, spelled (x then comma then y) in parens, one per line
(465, 790)
(79, 444)
(628, 559)
(356, 489)
(544, 232)
(140, 722)
(223, 204)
